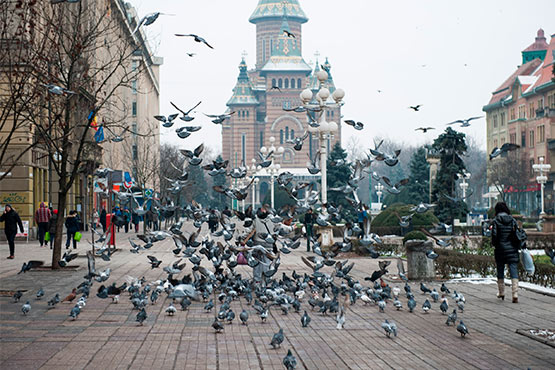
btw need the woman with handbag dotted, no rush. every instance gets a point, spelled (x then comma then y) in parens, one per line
(52, 227)
(504, 227)
(72, 226)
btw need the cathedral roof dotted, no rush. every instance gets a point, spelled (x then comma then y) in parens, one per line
(286, 52)
(242, 92)
(313, 82)
(268, 9)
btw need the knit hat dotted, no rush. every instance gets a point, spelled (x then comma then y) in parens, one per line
(55, 211)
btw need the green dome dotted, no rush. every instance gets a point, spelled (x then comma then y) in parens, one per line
(242, 93)
(267, 9)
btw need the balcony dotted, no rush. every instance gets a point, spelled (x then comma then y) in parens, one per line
(540, 112)
(551, 112)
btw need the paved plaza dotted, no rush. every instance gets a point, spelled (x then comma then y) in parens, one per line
(106, 335)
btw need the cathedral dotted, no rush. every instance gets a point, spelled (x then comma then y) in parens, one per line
(263, 94)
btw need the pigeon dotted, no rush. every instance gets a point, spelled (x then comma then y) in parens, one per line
(397, 304)
(415, 108)
(185, 115)
(71, 296)
(171, 310)
(209, 306)
(389, 328)
(30, 265)
(26, 308)
(452, 318)
(411, 304)
(298, 141)
(461, 328)
(444, 306)
(17, 295)
(356, 125)
(217, 325)
(141, 316)
(305, 320)
(230, 316)
(66, 258)
(40, 293)
(288, 34)
(507, 147)
(196, 38)
(424, 129)
(75, 311)
(381, 305)
(434, 295)
(424, 288)
(244, 317)
(147, 20)
(551, 254)
(444, 288)
(277, 339)
(154, 262)
(289, 361)
(340, 318)
(465, 122)
(58, 90)
(54, 300)
(426, 306)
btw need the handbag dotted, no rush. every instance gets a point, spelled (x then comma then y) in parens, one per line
(527, 261)
(77, 236)
(519, 238)
(47, 236)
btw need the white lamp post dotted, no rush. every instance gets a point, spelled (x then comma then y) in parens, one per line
(379, 192)
(274, 168)
(542, 168)
(464, 185)
(254, 170)
(325, 130)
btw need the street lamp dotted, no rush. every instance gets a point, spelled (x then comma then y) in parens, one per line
(324, 130)
(541, 179)
(273, 168)
(464, 185)
(254, 171)
(379, 192)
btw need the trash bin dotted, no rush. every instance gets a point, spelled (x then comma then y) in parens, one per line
(419, 267)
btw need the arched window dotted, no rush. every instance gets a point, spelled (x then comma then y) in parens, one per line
(292, 83)
(299, 84)
(273, 82)
(286, 132)
(292, 134)
(281, 136)
(247, 114)
(280, 83)
(286, 83)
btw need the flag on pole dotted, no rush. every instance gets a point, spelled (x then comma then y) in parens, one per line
(99, 135)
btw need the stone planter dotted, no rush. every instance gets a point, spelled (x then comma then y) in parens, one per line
(419, 267)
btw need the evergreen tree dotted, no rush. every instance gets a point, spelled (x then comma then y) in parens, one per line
(197, 185)
(281, 197)
(417, 190)
(337, 176)
(219, 200)
(451, 146)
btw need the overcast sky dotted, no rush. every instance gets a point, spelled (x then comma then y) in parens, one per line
(446, 55)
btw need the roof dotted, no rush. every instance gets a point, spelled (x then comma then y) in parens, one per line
(505, 89)
(539, 43)
(271, 9)
(242, 92)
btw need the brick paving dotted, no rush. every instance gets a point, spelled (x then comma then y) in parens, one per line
(105, 335)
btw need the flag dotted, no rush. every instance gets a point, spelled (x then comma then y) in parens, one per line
(99, 135)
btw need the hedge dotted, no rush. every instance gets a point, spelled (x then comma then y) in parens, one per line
(388, 218)
(415, 235)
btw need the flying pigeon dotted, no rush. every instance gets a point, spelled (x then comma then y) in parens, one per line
(196, 38)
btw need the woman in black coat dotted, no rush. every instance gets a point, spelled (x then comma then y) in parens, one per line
(11, 222)
(506, 253)
(72, 226)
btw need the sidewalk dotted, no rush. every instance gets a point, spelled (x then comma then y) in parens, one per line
(106, 335)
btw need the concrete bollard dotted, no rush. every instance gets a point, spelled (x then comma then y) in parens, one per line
(419, 267)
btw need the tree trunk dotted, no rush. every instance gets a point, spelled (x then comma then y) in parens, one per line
(57, 251)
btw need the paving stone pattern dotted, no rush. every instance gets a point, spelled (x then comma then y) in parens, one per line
(106, 336)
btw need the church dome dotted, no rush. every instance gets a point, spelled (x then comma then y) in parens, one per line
(271, 9)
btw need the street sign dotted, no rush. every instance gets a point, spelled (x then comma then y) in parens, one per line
(149, 192)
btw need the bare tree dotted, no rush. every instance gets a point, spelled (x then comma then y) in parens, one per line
(510, 174)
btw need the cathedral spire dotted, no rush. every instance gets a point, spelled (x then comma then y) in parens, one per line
(272, 9)
(242, 92)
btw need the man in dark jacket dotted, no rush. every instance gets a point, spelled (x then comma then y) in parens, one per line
(103, 219)
(503, 239)
(308, 221)
(72, 226)
(52, 227)
(11, 222)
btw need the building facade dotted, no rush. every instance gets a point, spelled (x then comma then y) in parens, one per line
(522, 111)
(274, 84)
(132, 105)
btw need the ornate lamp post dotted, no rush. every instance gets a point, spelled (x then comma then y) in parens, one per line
(325, 130)
(464, 185)
(254, 171)
(274, 168)
(542, 168)
(379, 192)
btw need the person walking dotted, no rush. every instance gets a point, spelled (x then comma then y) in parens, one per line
(506, 252)
(11, 222)
(72, 226)
(135, 219)
(308, 221)
(42, 216)
(213, 221)
(103, 220)
(126, 219)
(52, 227)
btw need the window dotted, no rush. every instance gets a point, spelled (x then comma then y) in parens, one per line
(292, 134)
(502, 116)
(134, 128)
(134, 109)
(540, 103)
(531, 138)
(551, 101)
(135, 152)
(495, 143)
(281, 136)
(495, 121)
(287, 133)
(134, 65)
(286, 83)
(243, 149)
(512, 138)
(502, 140)
(513, 115)
(134, 86)
(247, 114)
(273, 82)
(280, 83)
(299, 84)
(523, 139)
(261, 139)
(332, 113)
(522, 111)
(531, 165)
(541, 134)
(292, 83)
(532, 110)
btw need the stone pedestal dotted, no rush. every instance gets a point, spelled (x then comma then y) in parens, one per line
(419, 267)
(326, 235)
(548, 224)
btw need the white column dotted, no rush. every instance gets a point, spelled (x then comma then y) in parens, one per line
(324, 167)
(272, 187)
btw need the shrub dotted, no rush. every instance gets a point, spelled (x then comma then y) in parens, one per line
(388, 218)
(415, 235)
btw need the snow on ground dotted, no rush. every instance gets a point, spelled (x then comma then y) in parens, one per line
(476, 279)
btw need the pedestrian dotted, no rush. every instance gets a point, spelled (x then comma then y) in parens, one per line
(42, 216)
(103, 220)
(362, 216)
(155, 218)
(117, 217)
(213, 221)
(72, 226)
(52, 227)
(503, 234)
(308, 221)
(227, 212)
(11, 222)
(148, 220)
(262, 227)
(95, 218)
(126, 219)
(135, 221)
